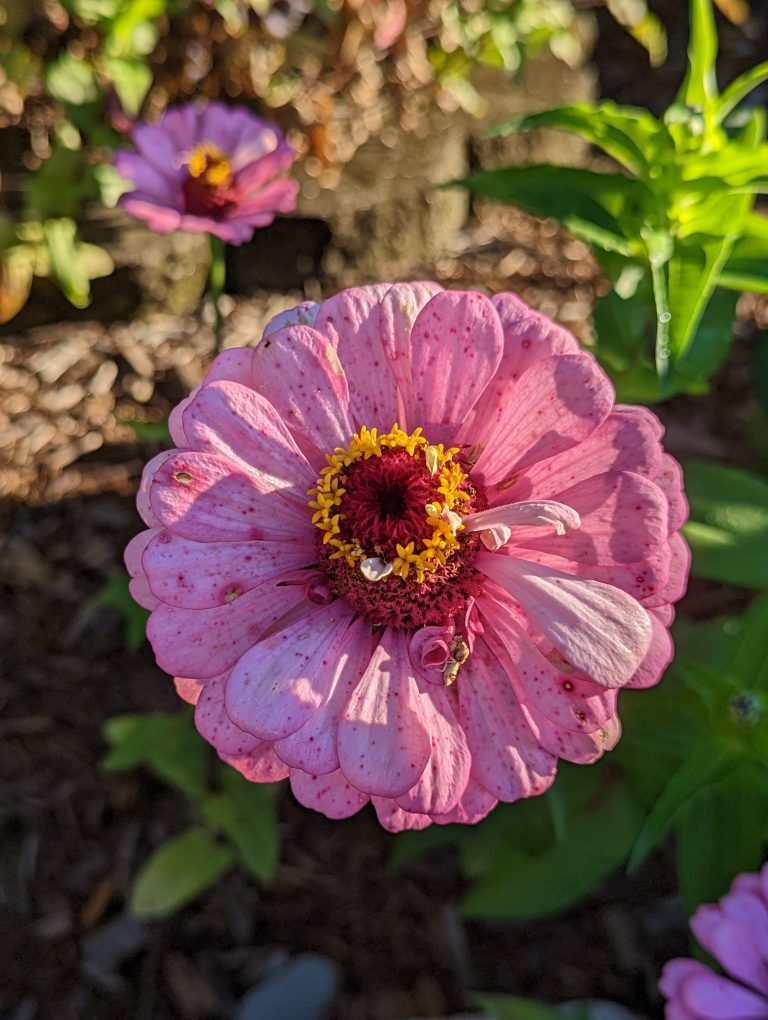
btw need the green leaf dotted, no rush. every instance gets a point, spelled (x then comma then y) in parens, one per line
(710, 343)
(131, 78)
(72, 264)
(749, 663)
(728, 526)
(721, 833)
(246, 813)
(699, 89)
(747, 265)
(510, 1007)
(117, 595)
(72, 81)
(632, 136)
(591, 205)
(740, 89)
(168, 744)
(177, 872)
(704, 765)
(522, 885)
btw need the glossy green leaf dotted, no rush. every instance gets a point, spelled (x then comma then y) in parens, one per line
(632, 136)
(246, 813)
(705, 764)
(721, 833)
(728, 525)
(524, 884)
(168, 744)
(594, 207)
(177, 872)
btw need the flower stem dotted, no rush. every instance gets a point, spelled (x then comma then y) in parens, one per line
(216, 280)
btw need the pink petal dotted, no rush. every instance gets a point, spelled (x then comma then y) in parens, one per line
(394, 819)
(677, 581)
(233, 365)
(197, 575)
(209, 499)
(640, 580)
(716, 998)
(670, 481)
(313, 747)
(141, 593)
(303, 314)
(143, 505)
(278, 684)
(215, 726)
(556, 404)
(579, 748)
(474, 804)
(751, 909)
(499, 520)
(384, 743)
(298, 371)
(623, 520)
(188, 689)
(161, 219)
(507, 760)
(260, 766)
(228, 419)
(351, 320)
(445, 778)
(456, 345)
(204, 642)
(600, 630)
(331, 794)
(176, 422)
(135, 550)
(677, 971)
(565, 699)
(658, 656)
(733, 943)
(398, 312)
(624, 442)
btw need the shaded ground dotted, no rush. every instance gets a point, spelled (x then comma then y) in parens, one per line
(71, 838)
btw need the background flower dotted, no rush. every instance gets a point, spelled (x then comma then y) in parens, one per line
(208, 168)
(489, 551)
(735, 932)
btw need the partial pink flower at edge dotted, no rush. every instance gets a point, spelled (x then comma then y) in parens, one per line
(208, 168)
(735, 932)
(489, 552)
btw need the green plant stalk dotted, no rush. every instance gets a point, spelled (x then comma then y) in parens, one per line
(217, 276)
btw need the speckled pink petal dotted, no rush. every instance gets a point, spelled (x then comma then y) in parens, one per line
(208, 499)
(135, 550)
(398, 312)
(733, 943)
(600, 630)
(507, 760)
(623, 520)
(528, 338)
(204, 642)
(384, 743)
(188, 689)
(394, 819)
(567, 700)
(260, 766)
(313, 747)
(233, 365)
(303, 314)
(624, 442)
(670, 481)
(658, 656)
(281, 682)
(581, 748)
(713, 997)
(197, 575)
(445, 778)
(677, 582)
(556, 404)
(474, 804)
(456, 345)
(215, 726)
(234, 421)
(351, 320)
(143, 504)
(298, 371)
(176, 422)
(330, 794)
(640, 580)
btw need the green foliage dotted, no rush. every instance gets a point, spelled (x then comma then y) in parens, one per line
(728, 526)
(679, 218)
(238, 816)
(117, 595)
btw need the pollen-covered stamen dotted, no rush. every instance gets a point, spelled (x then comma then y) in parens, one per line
(391, 500)
(209, 182)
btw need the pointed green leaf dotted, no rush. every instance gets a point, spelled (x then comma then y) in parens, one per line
(699, 89)
(177, 872)
(246, 813)
(168, 744)
(739, 89)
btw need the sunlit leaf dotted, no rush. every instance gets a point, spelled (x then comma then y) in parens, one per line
(177, 872)
(168, 744)
(699, 89)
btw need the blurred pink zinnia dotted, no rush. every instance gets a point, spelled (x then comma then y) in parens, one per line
(213, 168)
(407, 551)
(735, 932)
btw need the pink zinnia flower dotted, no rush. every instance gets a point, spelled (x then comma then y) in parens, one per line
(735, 932)
(214, 168)
(487, 553)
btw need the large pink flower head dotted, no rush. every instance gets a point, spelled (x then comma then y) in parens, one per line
(735, 932)
(210, 168)
(407, 551)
